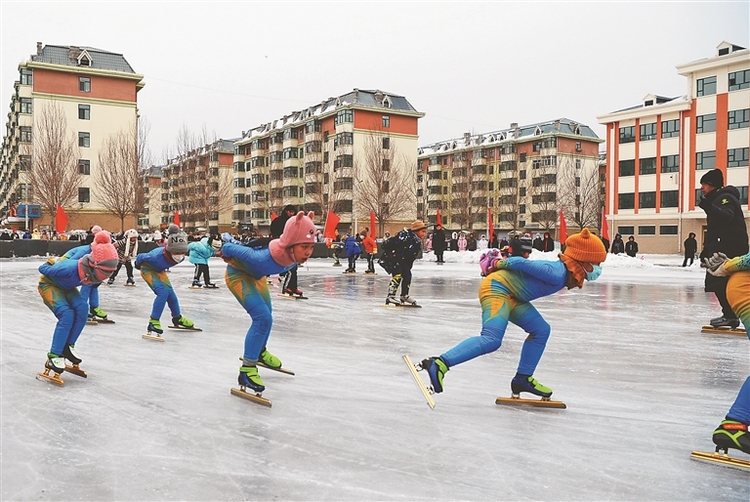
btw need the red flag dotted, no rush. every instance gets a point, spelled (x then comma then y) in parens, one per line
(332, 221)
(274, 215)
(563, 228)
(439, 220)
(373, 233)
(177, 217)
(490, 226)
(605, 227)
(61, 219)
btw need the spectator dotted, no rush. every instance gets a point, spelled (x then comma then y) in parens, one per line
(631, 247)
(471, 243)
(691, 247)
(462, 242)
(618, 246)
(548, 243)
(438, 242)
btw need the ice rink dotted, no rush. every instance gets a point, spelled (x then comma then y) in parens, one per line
(156, 421)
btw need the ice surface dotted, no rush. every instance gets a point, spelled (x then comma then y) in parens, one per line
(156, 421)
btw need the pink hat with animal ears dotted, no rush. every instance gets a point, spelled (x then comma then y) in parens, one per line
(299, 229)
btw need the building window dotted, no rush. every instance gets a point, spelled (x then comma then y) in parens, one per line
(739, 119)
(705, 160)
(670, 128)
(706, 123)
(84, 84)
(667, 229)
(386, 143)
(386, 121)
(24, 134)
(743, 194)
(26, 77)
(84, 166)
(627, 134)
(386, 164)
(239, 183)
(344, 116)
(84, 195)
(84, 112)
(626, 201)
(648, 131)
(737, 157)
(737, 80)
(627, 168)
(646, 229)
(647, 200)
(626, 230)
(84, 139)
(669, 198)
(579, 148)
(522, 157)
(647, 166)
(670, 163)
(24, 162)
(26, 105)
(706, 86)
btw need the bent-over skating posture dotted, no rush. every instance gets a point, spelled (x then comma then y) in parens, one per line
(153, 266)
(89, 292)
(58, 289)
(399, 253)
(505, 294)
(247, 269)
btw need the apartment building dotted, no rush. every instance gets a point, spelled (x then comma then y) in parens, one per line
(523, 174)
(658, 150)
(349, 154)
(93, 93)
(198, 184)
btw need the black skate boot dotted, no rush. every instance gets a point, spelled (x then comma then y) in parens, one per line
(527, 383)
(55, 363)
(437, 369)
(71, 356)
(724, 322)
(732, 434)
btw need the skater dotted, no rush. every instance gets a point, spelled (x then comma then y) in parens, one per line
(733, 431)
(691, 247)
(725, 233)
(89, 292)
(199, 253)
(371, 249)
(247, 269)
(153, 266)
(352, 253)
(58, 288)
(277, 228)
(505, 294)
(399, 253)
(438, 243)
(127, 247)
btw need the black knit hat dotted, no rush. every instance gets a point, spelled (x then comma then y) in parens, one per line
(520, 246)
(714, 177)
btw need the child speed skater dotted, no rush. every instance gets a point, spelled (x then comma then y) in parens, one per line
(153, 266)
(58, 288)
(89, 292)
(247, 269)
(505, 294)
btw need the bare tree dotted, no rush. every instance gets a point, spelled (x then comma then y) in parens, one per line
(214, 186)
(508, 201)
(460, 203)
(119, 180)
(54, 174)
(543, 191)
(321, 174)
(387, 185)
(579, 192)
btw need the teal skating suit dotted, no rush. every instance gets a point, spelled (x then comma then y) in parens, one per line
(738, 296)
(505, 295)
(58, 288)
(247, 269)
(153, 266)
(89, 292)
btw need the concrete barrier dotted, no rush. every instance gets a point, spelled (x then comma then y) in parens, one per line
(6, 249)
(23, 248)
(59, 248)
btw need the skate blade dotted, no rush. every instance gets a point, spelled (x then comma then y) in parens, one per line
(425, 391)
(723, 331)
(74, 369)
(721, 459)
(542, 403)
(184, 328)
(130, 285)
(91, 323)
(400, 305)
(195, 287)
(149, 336)
(293, 297)
(105, 321)
(280, 370)
(256, 398)
(54, 377)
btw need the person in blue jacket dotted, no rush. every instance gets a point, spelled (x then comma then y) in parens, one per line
(89, 292)
(352, 253)
(506, 294)
(58, 288)
(199, 253)
(247, 269)
(153, 266)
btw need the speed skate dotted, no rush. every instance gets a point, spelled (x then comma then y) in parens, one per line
(544, 402)
(721, 459)
(426, 391)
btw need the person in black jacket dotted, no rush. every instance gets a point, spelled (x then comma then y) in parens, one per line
(631, 247)
(399, 253)
(691, 247)
(438, 242)
(277, 228)
(548, 243)
(618, 246)
(725, 233)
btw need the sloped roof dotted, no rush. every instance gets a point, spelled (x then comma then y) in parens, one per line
(67, 55)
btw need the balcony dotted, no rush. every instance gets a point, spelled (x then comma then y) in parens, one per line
(434, 167)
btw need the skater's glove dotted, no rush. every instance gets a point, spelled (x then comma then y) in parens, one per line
(51, 260)
(715, 261)
(719, 272)
(137, 265)
(227, 237)
(488, 261)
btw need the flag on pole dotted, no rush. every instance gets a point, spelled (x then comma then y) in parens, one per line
(439, 219)
(274, 215)
(490, 226)
(61, 219)
(332, 221)
(563, 228)
(605, 227)
(373, 233)
(177, 218)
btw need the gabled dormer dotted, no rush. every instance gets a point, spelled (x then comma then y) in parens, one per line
(538, 131)
(84, 59)
(725, 48)
(387, 101)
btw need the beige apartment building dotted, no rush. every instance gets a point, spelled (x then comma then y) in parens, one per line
(95, 92)
(350, 154)
(524, 175)
(658, 150)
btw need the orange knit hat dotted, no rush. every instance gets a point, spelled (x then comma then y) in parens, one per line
(585, 247)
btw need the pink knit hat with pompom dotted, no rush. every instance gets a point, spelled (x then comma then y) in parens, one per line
(297, 230)
(101, 262)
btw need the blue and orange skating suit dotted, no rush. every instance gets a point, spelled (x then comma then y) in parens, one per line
(89, 292)
(738, 295)
(247, 269)
(154, 265)
(58, 288)
(505, 295)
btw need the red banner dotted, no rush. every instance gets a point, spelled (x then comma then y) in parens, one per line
(176, 217)
(563, 229)
(61, 219)
(373, 233)
(490, 226)
(605, 227)
(439, 219)
(274, 215)
(332, 221)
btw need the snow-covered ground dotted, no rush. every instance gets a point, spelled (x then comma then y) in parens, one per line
(156, 421)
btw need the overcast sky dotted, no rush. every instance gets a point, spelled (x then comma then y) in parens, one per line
(470, 67)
